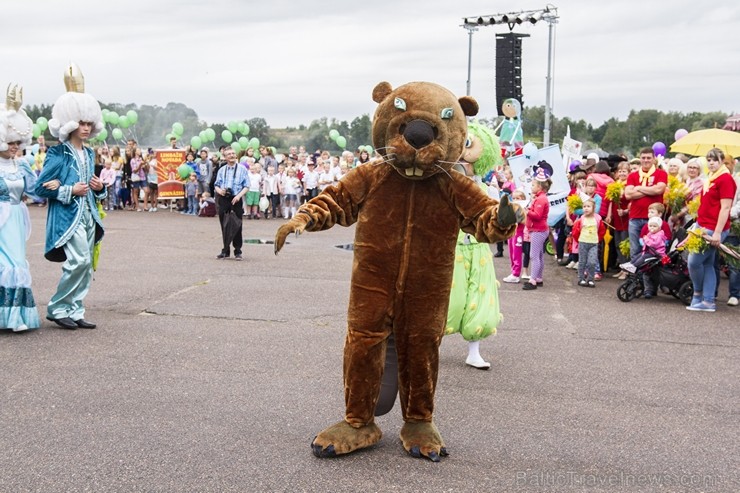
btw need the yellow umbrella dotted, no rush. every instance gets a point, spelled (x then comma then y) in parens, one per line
(699, 142)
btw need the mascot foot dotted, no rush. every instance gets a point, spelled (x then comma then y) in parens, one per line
(342, 438)
(477, 362)
(423, 440)
(508, 213)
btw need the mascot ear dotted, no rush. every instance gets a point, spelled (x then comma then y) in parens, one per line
(469, 105)
(381, 91)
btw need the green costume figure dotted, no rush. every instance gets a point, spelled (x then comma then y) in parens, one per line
(474, 308)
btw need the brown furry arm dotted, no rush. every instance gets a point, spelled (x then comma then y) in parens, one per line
(338, 204)
(480, 213)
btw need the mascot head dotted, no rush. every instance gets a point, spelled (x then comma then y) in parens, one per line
(74, 107)
(15, 126)
(482, 149)
(420, 128)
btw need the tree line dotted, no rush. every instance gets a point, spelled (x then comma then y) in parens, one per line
(641, 128)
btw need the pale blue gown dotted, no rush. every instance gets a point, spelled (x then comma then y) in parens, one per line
(18, 310)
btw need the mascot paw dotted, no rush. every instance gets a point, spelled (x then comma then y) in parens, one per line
(292, 226)
(343, 438)
(423, 440)
(508, 213)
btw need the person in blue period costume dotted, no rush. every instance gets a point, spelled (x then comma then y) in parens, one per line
(511, 136)
(73, 224)
(18, 310)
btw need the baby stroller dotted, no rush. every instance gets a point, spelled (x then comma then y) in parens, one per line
(673, 274)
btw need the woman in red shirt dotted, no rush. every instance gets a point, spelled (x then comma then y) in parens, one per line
(537, 213)
(713, 217)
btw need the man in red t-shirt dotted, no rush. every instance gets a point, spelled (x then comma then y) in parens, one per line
(644, 187)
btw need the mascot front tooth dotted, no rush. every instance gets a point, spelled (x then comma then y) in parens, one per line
(408, 209)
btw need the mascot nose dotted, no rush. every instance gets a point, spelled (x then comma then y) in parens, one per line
(418, 133)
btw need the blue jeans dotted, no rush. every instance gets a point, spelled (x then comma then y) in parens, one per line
(192, 204)
(701, 270)
(635, 226)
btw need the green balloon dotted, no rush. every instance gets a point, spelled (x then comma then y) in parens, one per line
(203, 136)
(195, 142)
(132, 116)
(43, 123)
(211, 134)
(169, 137)
(341, 142)
(254, 142)
(36, 130)
(246, 130)
(226, 136)
(113, 118)
(369, 149)
(103, 134)
(333, 134)
(184, 171)
(243, 142)
(117, 133)
(123, 121)
(177, 129)
(232, 126)
(237, 148)
(105, 114)
(240, 127)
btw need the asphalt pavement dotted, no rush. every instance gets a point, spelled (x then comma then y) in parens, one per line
(215, 375)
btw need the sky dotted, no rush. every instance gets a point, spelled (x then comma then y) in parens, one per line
(291, 62)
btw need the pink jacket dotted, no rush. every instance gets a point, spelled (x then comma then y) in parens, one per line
(656, 241)
(537, 213)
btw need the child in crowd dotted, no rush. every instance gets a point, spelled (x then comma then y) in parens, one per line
(516, 242)
(291, 188)
(252, 211)
(653, 243)
(207, 206)
(619, 214)
(311, 181)
(658, 210)
(271, 190)
(537, 212)
(326, 177)
(108, 177)
(191, 193)
(588, 230)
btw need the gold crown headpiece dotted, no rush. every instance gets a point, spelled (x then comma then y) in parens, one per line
(74, 81)
(14, 97)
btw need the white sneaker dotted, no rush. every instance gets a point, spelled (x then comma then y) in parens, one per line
(732, 301)
(511, 278)
(573, 265)
(525, 277)
(153, 209)
(21, 328)
(478, 363)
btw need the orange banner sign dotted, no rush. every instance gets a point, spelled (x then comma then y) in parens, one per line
(169, 182)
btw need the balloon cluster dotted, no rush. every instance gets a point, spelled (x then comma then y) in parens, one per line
(338, 139)
(119, 122)
(39, 127)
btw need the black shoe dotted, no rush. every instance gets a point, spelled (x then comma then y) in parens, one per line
(498, 254)
(65, 322)
(83, 324)
(528, 286)
(238, 256)
(563, 262)
(540, 283)
(222, 255)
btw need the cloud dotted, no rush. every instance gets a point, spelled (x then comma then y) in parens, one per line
(292, 62)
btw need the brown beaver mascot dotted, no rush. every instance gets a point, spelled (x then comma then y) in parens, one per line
(408, 209)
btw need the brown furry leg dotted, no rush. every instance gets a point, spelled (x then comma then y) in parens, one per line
(423, 440)
(342, 438)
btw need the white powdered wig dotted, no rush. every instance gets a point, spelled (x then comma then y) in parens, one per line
(72, 108)
(15, 126)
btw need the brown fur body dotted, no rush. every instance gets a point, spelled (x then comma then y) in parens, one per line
(404, 246)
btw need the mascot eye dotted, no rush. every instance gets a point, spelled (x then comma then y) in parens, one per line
(400, 104)
(446, 114)
(468, 142)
